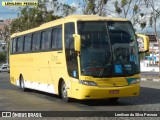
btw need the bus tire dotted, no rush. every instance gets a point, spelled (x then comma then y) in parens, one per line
(64, 94)
(22, 84)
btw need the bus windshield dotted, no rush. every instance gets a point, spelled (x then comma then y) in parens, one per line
(108, 48)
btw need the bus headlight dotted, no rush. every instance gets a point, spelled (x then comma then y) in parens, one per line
(88, 83)
(134, 81)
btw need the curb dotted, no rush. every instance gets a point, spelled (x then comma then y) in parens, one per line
(150, 79)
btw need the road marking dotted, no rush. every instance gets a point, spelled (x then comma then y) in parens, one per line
(150, 79)
(143, 79)
(157, 80)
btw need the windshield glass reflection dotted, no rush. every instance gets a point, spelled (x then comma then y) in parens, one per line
(108, 49)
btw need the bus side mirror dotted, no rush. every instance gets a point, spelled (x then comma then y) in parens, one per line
(77, 42)
(143, 43)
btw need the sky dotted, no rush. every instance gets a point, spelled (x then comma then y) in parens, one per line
(7, 12)
(10, 12)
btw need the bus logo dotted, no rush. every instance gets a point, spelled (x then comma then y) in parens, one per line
(6, 114)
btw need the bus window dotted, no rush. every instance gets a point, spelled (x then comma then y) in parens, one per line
(46, 40)
(27, 43)
(71, 56)
(14, 42)
(69, 31)
(36, 41)
(57, 38)
(54, 38)
(20, 44)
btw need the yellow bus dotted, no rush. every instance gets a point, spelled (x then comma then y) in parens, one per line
(79, 56)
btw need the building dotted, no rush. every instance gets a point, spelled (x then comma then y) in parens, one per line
(153, 47)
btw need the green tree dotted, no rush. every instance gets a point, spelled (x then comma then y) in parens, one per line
(94, 7)
(131, 9)
(67, 10)
(5, 33)
(154, 14)
(31, 17)
(59, 8)
(2, 57)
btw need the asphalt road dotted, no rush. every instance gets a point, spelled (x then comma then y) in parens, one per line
(13, 99)
(150, 75)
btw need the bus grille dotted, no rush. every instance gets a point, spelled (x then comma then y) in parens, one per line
(113, 82)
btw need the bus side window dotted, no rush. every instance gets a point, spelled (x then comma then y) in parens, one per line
(14, 45)
(27, 43)
(36, 41)
(54, 36)
(46, 40)
(57, 38)
(71, 56)
(11, 46)
(20, 44)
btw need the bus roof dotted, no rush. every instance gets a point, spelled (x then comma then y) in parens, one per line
(70, 18)
(94, 17)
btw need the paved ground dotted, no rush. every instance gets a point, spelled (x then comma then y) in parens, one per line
(13, 99)
(150, 76)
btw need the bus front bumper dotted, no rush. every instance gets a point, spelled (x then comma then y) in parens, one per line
(94, 92)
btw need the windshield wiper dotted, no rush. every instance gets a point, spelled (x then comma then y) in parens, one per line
(108, 60)
(110, 56)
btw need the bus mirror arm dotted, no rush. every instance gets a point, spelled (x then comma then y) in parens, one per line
(143, 43)
(143, 51)
(77, 42)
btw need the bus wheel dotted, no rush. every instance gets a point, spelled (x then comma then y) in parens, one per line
(22, 85)
(64, 94)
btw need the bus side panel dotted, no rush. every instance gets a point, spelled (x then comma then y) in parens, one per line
(21, 65)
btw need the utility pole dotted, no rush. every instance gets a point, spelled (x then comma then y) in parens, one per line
(8, 44)
(159, 55)
(152, 54)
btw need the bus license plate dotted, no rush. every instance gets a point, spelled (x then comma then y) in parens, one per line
(113, 91)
